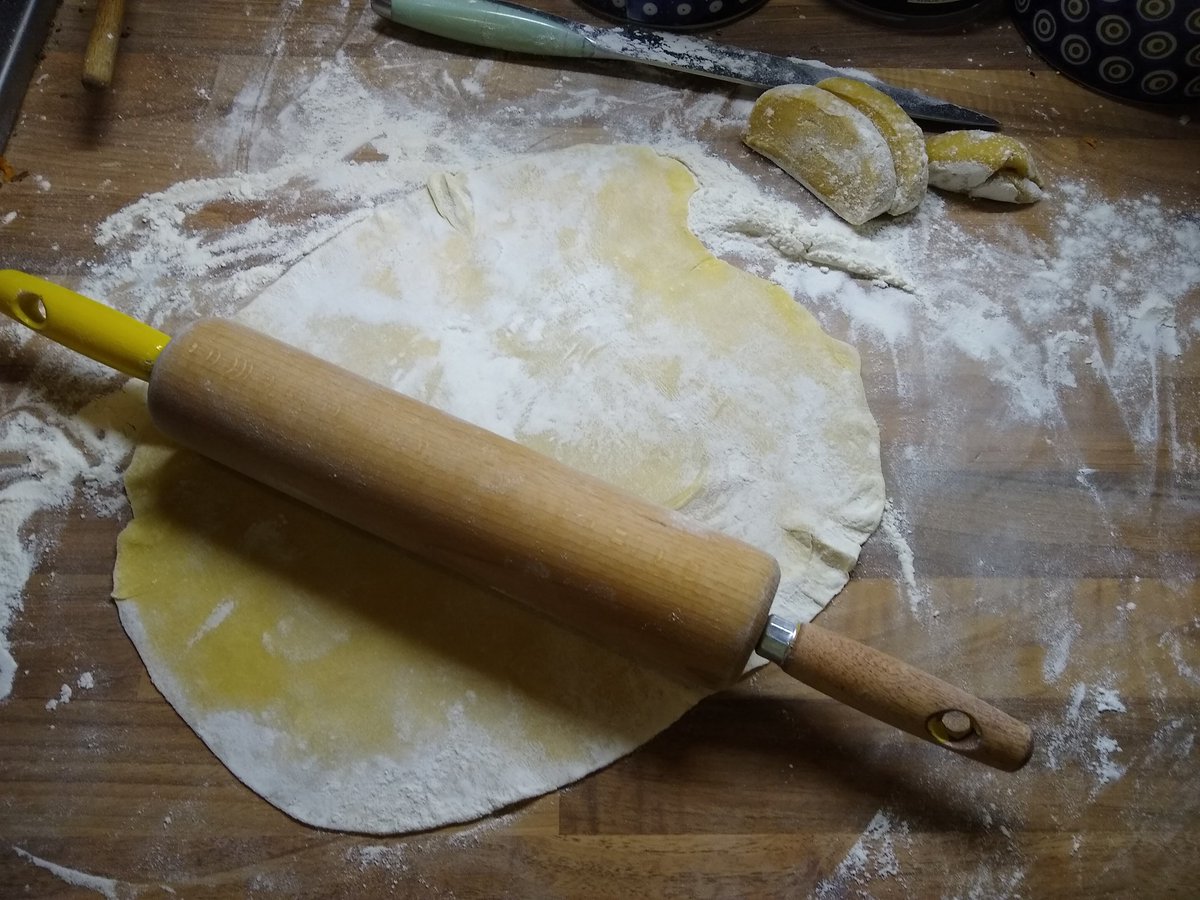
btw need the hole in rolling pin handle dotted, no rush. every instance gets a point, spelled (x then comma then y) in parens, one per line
(953, 727)
(32, 310)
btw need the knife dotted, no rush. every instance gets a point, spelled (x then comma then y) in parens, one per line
(509, 26)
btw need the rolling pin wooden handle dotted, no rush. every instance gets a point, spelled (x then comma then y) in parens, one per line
(901, 695)
(100, 57)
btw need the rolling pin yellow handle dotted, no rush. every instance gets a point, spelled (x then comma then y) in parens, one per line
(897, 693)
(81, 324)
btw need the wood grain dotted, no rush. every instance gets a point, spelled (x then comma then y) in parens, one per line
(764, 790)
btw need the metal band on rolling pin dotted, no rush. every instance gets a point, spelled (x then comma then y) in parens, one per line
(777, 640)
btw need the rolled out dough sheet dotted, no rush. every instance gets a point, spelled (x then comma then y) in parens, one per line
(558, 299)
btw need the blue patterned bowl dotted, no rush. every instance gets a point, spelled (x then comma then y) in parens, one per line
(676, 15)
(1142, 50)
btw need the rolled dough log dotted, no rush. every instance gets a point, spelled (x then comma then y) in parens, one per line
(558, 299)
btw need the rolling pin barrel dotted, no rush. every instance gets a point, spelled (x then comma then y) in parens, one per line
(684, 599)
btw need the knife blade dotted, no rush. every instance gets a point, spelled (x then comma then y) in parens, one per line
(508, 26)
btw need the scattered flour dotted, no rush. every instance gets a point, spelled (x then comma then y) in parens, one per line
(107, 887)
(1108, 700)
(63, 698)
(1078, 737)
(49, 461)
(1175, 650)
(404, 856)
(871, 857)
(893, 527)
(990, 882)
(366, 856)
(1061, 632)
(1106, 768)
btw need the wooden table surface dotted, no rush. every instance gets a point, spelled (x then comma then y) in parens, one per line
(764, 790)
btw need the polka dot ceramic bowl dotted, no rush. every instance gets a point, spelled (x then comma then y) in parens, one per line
(1143, 50)
(672, 14)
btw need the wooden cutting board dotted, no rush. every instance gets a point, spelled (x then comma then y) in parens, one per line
(764, 790)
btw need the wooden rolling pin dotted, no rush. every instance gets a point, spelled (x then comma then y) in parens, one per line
(640, 578)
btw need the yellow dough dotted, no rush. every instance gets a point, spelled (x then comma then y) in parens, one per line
(559, 299)
(904, 138)
(983, 164)
(828, 146)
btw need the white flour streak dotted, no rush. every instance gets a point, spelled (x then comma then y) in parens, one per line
(872, 856)
(1175, 649)
(48, 462)
(215, 618)
(1061, 631)
(107, 887)
(894, 529)
(1105, 767)
(987, 883)
(1077, 737)
(1100, 290)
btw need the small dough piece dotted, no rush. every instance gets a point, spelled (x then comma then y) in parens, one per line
(983, 164)
(452, 201)
(904, 138)
(828, 146)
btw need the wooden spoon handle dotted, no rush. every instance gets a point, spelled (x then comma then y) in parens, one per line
(901, 695)
(100, 57)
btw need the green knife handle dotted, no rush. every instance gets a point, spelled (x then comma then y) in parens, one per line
(487, 23)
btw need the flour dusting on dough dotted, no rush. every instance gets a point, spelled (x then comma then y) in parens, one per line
(569, 319)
